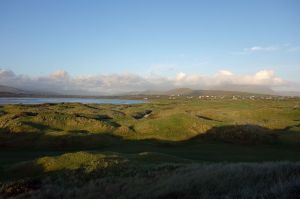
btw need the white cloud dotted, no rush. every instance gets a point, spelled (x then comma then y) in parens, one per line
(257, 49)
(61, 81)
(180, 76)
(225, 72)
(60, 74)
(261, 48)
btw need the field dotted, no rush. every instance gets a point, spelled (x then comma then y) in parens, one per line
(183, 148)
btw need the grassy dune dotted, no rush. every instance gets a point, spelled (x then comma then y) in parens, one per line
(164, 148)
(176, 121)
(149, 175)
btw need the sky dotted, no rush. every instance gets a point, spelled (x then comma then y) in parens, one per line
(123, 45)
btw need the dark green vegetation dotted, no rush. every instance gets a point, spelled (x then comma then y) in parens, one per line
(149, 175)
(165, 148)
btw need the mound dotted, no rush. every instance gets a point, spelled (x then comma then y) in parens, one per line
(242, 134)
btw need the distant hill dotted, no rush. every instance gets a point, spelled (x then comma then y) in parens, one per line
(245, 88)
(177, 91)
(8, 89)
(181, 91)
(225, 90)
(191, 92)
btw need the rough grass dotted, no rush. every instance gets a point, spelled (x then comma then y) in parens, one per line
(162, 149)
(179, 120)
(84, 160)
(181, 127)
(172, 127)
(86, 175)
(243, 134)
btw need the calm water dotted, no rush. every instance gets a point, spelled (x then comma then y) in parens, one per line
(60, 100)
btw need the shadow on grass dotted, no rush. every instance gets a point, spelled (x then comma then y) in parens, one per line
(234, 143)
(207, 118)
(41, 127)
(102, 118)
(113, 177)
(225, 143)
(245, 135)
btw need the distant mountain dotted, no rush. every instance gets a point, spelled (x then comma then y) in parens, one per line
(181, 91)
(177, 91)
(7, 91)
(246, 88)
(191, 92)
(228, 89)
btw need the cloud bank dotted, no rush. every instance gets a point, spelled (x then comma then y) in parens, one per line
(61, 82)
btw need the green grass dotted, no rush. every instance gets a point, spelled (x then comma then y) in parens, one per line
(163, 139)
(233, 124)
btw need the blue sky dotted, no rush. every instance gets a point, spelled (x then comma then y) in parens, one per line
(142, 37)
